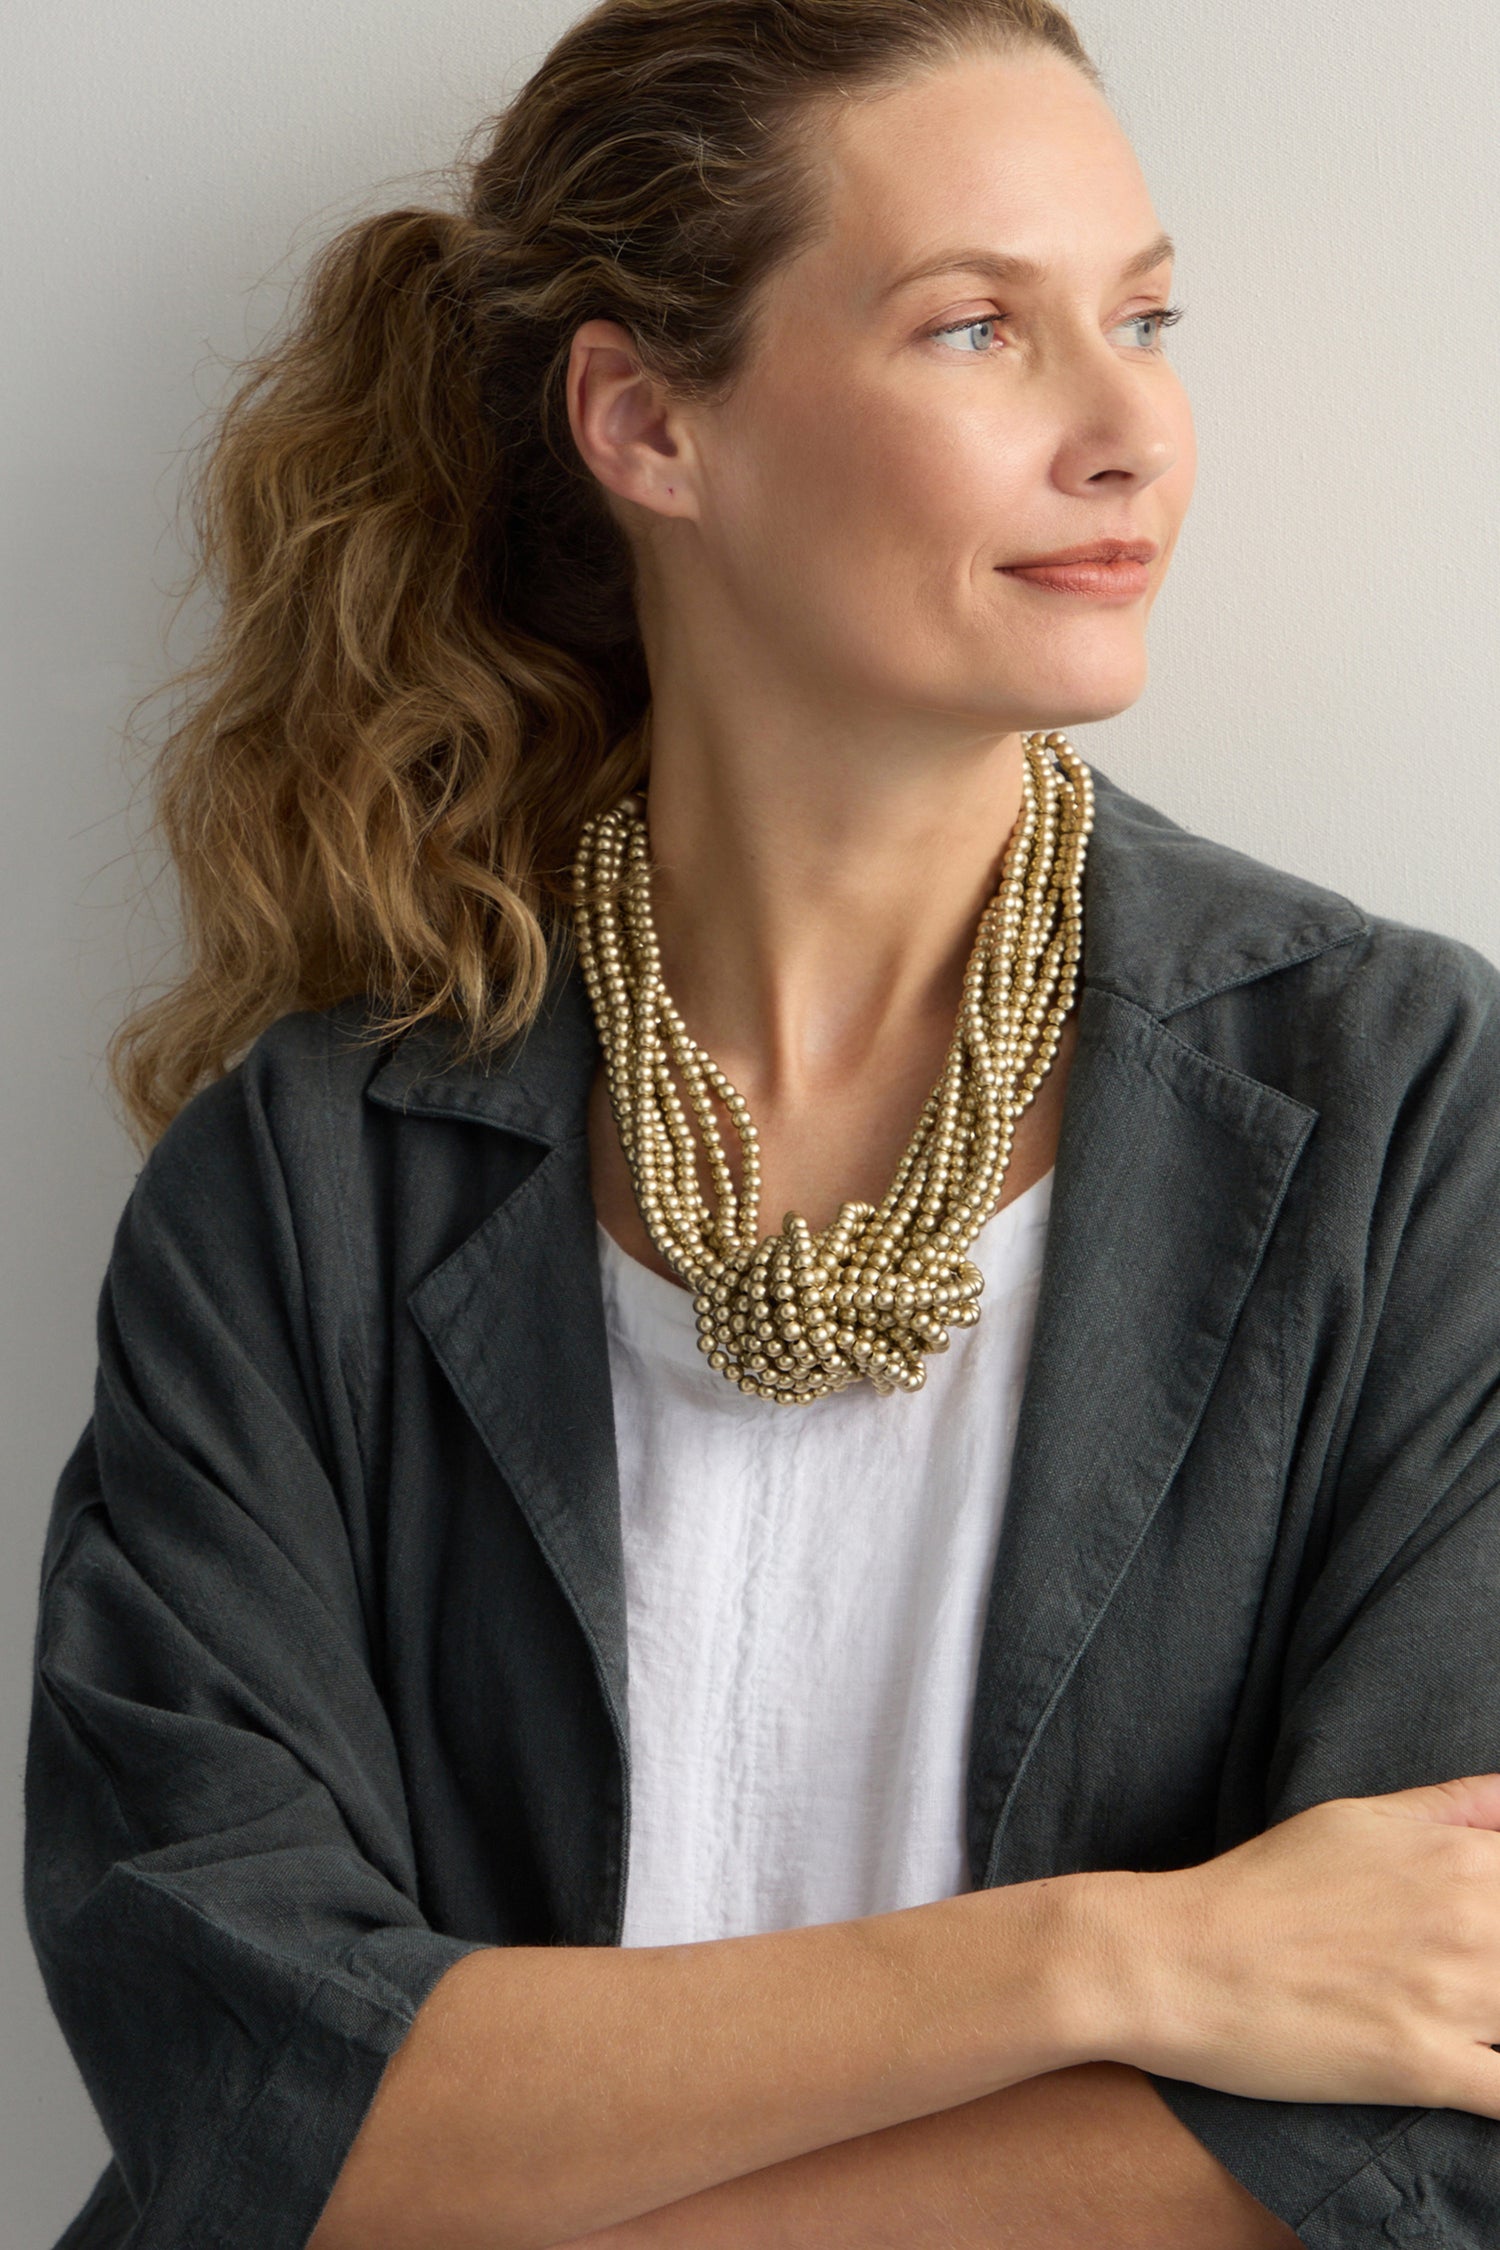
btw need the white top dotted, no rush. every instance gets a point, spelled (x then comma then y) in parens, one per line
(805, 1592)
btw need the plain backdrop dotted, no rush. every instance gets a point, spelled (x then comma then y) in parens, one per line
(1324, 655)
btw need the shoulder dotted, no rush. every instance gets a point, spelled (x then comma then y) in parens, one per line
(296, 1090)
(1218, 943)
(1406, 973)
(251, 1176)
(309, 1174)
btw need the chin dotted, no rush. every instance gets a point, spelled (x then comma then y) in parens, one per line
(1052, 709)
(1083, 695)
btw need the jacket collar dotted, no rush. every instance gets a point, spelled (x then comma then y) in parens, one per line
(1169, 919)
(1170, 1170)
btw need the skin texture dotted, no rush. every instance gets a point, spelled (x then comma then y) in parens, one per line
(840, 681)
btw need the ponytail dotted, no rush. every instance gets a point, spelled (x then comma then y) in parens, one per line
(345, 803)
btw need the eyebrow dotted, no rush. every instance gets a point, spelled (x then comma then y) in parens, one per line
(1006, 267)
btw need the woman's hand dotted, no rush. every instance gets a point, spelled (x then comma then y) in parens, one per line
(1349, 1954)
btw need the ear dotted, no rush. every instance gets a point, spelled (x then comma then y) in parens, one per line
(632, 436)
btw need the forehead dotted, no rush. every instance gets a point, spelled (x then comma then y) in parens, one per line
(1019, 152)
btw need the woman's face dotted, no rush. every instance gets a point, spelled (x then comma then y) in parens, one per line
(858, 498)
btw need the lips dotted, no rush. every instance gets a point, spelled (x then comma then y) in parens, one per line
(1100, 582)
(1107, 569)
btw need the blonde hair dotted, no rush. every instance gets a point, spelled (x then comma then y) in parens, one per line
(426, 672)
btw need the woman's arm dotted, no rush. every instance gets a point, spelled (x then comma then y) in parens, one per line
(1086, 2158)
(1351, 1953)
(546, 2091)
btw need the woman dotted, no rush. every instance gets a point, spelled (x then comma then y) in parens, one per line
(1056, 1813)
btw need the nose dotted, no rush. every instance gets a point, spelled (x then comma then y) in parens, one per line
(1112, 422)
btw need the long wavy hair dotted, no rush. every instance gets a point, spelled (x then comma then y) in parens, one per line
(425, 670)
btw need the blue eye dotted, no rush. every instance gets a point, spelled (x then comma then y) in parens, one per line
(1164, 316)
(967, 327)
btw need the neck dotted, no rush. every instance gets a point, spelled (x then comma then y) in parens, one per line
(813, 911)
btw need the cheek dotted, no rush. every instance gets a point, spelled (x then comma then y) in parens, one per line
(883, 485)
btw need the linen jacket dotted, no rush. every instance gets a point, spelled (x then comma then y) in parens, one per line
(330, 1658)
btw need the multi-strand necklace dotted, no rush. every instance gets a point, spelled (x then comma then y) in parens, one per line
(794, 1315)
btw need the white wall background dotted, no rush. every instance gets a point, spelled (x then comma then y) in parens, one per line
(1324, 659)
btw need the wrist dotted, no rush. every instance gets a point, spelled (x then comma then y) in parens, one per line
(1112, 1966)
(1058, 1946)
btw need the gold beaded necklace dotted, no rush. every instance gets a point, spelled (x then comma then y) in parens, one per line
(795, 1315)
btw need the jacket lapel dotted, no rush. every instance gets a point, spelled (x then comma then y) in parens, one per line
(1170, 1170)
(516, 1318)
(515, 1314)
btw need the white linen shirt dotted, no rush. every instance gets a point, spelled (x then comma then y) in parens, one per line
(805, 1594)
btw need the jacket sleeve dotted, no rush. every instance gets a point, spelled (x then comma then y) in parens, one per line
(1392, 1673)
(218, 1874)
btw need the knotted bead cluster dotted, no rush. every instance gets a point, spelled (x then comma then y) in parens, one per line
(795, 1315)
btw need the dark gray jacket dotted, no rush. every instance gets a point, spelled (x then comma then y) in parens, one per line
(331, 1661)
